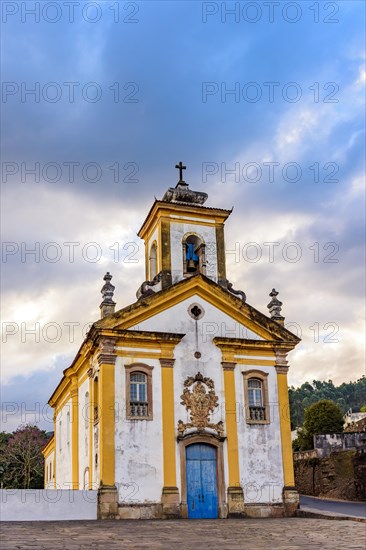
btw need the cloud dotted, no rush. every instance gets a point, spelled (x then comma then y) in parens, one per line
(168, 54)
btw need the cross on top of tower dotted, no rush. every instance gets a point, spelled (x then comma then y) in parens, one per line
(181, 168)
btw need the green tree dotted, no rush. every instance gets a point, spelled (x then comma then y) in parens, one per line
(348, 395)
(323, 417)
(363, 409)
(21, 463)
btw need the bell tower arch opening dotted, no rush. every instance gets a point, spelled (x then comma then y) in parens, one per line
(153, 261)
(194, 255)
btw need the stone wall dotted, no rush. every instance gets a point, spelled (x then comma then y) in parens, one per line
(340, 475)
(325, 444)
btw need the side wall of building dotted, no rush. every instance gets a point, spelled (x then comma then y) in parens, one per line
(63, 447)
(84, 434)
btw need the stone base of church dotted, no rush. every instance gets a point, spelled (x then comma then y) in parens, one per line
(170, 502)
(235, 502)
(171, 508)
(264, 510)
(140, 511)
(290, 500)
(107, 502)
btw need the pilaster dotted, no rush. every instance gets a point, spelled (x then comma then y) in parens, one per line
(90, 414)
(235, 495)
(170, 494)
(106, 360)
(74, 392)
(290, 494)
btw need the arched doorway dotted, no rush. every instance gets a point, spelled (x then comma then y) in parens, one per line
(201, 480)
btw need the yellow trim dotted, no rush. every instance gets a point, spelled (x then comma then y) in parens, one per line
(75, 433)
(165, 250)
(257, 362)
(220, 251)
(231, 350)
(136, 355)
(214, 216)
(91, 418)
(169, 460)
(79, 366)
(284, 411)
(106, 423)
(54, 437)
(84, 377)
(231, 427)
(49, 447)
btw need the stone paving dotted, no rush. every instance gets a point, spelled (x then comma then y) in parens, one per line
(251, 534)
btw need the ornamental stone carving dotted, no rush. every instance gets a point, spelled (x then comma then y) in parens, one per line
(200, 399)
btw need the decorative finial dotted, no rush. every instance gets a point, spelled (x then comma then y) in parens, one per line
(181, 168)
(274, 307)
(181, 193)
(107, 305)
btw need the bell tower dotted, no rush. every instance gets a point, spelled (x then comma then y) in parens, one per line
(183, 237)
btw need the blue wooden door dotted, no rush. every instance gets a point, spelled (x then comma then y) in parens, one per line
(201, 481)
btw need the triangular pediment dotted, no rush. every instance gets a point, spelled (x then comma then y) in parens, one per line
(199, 285)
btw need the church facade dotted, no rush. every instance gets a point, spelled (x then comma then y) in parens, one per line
(177, 405)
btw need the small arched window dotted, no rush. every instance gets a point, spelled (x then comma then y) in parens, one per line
(255, 393)
(96, 400)
(153, 261)
(193, 256)
(139, 392)
(256, 397)
(86, 423)
(60, 436)
(68, 428)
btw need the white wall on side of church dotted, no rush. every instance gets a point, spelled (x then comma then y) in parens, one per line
(84, 433)
(49, 464)
(260, 452)
(177, 231)
(139, 471)
(63, 447)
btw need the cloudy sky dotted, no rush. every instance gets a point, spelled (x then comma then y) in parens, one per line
(264, 103)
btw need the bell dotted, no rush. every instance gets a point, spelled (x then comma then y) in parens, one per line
(191, 265)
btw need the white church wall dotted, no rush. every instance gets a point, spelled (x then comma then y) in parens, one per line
(208, 234)
(260, 453)
(138, 443)
(84, 400)
(63, 447)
